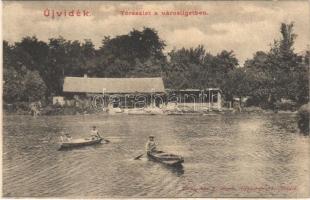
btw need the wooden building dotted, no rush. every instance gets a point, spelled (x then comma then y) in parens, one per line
(116, 92)
(209, 98)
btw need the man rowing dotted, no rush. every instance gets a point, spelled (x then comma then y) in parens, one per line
(151, 146)
(94, 133)
(66, 137)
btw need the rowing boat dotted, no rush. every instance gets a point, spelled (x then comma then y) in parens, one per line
(79, 143)
(166, 158)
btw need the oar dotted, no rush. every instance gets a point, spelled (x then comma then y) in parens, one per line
(138, 157)
(103, 138)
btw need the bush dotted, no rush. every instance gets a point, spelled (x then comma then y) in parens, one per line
(291, 106)
(303, 118)
(22, 87)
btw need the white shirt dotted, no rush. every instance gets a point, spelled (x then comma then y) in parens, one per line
(94, 132)
(150, 146)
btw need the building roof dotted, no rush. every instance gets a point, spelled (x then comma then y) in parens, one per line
(113, 85)
(193, 90)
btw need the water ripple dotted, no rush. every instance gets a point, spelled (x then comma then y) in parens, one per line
(224, 154)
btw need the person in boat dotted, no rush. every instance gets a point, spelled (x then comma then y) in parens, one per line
(151, 146)
(67, 138)
(94, 133)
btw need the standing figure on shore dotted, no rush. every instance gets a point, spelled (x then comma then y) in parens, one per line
(35, 108)
(151, 146)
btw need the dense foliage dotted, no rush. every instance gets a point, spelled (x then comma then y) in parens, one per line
(279, 73)
(194, 68)
(35, 69)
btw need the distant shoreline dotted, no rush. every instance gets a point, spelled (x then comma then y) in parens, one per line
(48, 111)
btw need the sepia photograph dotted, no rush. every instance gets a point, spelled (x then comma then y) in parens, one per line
(155, 99)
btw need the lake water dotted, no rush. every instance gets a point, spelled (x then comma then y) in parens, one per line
(243, 155)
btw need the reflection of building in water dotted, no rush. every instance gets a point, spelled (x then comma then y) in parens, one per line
(116, 92)
(209, 98)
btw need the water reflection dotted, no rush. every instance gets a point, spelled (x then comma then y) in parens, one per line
(178, 170)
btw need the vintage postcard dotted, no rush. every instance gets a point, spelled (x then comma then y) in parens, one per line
(155, 99)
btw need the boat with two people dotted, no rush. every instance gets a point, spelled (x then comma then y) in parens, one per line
(67, 142)
(79, 143)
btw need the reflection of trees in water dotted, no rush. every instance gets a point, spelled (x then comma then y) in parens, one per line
(281, 123)
(179, 170)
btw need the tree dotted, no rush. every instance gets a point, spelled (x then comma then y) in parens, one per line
(35, 50)
(23, 86)
(194, 68)
(139, 53)
(282, 73)
(20, 83)
(302, 79)
(185, 63)
(236, 84)
(34, 86)
(66, 58)
(284, 64)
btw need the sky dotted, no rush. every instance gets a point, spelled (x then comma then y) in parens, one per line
(242, 26)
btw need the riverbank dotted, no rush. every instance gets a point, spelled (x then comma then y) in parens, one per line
(23, 109)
